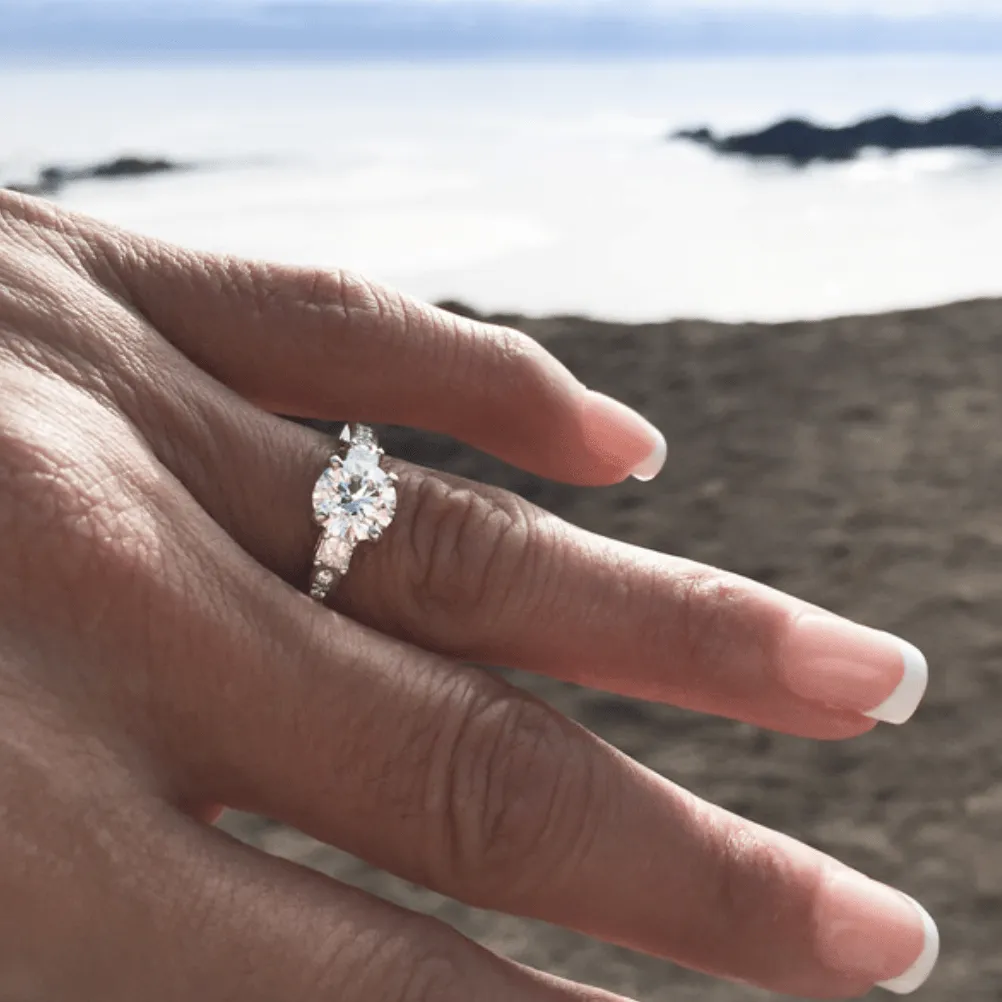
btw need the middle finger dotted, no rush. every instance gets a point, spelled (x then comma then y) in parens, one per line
(448, 777)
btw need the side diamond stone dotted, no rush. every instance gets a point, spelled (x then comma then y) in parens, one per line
(334, 552)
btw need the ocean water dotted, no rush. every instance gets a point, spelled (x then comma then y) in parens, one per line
(537, 187)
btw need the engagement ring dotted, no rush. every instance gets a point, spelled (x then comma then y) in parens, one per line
(354, 500)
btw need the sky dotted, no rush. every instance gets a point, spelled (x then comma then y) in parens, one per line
(362, 28)
(878, 7)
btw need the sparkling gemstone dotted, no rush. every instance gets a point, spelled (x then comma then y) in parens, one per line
(334, 552)
(354, 499)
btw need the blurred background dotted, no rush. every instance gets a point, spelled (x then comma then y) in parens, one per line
(779, 304)
(516, 153)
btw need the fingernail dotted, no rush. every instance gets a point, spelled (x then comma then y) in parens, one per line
(618, 433)
(851, 667)
(872, 932)
(918, 974)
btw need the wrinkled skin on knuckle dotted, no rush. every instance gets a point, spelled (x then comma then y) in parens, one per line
(430, 972)
(522, 364)
(754, 881)
(718, 624)
(58, 324)
(409, 958)
(327, 294)
(315, 298)
(505, 365)
(78, 508)
(498, 361)
(75, 476)
(28, 224)
(56, 320)
(519, 801)
(464, 554)
(97, 254)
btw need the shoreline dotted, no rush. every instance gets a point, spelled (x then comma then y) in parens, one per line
(512, 318)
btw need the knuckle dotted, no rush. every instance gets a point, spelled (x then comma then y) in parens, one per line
(45, 235)
(717, 622)
(33, 491)
(488, 361)
(754, 877)
(323, 293)
(519, 800)
(467, 549)
(519, 352)
(71, 514)
(513, 364)
(432, 977)
(416, 962)
(746, 864)
(57, 321)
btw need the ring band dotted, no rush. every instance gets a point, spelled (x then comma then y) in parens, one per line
(354, 500)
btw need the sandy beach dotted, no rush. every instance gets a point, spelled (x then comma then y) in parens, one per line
(856, 463)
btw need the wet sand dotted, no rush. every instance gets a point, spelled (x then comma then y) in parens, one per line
(856, 463)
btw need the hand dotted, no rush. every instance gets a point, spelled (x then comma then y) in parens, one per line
(158, 659)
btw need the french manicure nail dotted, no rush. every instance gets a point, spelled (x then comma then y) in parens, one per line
(872, 932)
(618, 432)
(918, 974)
(654, 463)
(851, 667)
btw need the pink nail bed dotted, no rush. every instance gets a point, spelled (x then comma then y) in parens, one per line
(869, 931)
(851, 667)
(619, 433)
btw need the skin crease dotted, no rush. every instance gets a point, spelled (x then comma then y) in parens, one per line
(158, 660)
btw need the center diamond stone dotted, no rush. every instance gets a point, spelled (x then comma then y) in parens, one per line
(354, 499)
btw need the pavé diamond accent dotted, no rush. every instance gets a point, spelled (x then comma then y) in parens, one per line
(334, 552)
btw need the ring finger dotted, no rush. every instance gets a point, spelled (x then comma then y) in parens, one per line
(476, 573)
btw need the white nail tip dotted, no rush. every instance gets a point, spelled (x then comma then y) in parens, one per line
(918, 974)
(901, 705)
(655, 462)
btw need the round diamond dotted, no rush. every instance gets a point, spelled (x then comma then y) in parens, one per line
(354, 498)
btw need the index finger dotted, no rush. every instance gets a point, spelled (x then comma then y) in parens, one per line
(313, 343)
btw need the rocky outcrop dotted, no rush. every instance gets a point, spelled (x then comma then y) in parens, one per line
(51, 180)
(801, 142)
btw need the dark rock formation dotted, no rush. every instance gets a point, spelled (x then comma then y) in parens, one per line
(51, 180)
(801, 142)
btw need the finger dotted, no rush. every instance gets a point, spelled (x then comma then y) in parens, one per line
(454, 780)
(322, 344)
(479, 574)
(476, 573)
